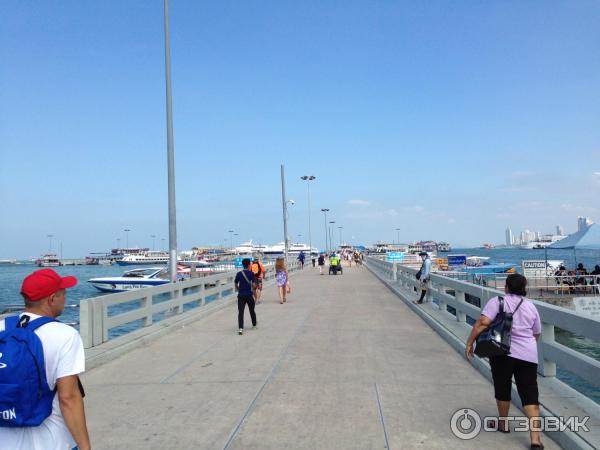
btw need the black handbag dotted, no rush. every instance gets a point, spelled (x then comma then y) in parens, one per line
(418, 275)
(495, 341)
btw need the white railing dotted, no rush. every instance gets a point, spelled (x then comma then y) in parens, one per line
(448, 292)
(101, 315)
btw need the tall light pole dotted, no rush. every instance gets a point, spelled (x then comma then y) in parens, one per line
(341, 228)
(230, 239)
(308, 179)
(284, 204)
(126, 230)
(119, 243)
(153, 236)
(236, 235)
(326, 239)
(170, 152)
(398, 235)
(50, 236)
(331, 222)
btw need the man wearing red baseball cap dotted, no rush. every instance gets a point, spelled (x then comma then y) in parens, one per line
(44, 292)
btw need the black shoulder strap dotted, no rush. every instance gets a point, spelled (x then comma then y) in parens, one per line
(518, 305)
(500, 305)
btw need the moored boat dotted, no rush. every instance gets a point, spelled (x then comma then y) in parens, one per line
(132, 280)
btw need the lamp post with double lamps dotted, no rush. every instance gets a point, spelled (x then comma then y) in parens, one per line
(308, 179)
(126, 230)
(50, 236)
(231, 239)
(325, 210)
(331, 222)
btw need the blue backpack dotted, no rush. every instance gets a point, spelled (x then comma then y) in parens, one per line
(25, 397)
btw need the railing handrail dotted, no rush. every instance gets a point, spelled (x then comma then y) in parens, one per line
(96, 321)
(550, 351)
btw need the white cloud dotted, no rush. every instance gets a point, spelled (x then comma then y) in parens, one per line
(359, 202)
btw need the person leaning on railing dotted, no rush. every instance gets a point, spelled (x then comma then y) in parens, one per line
(523, 358)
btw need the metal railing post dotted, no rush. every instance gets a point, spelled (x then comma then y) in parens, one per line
(461, 316)
(546, 367)
(148, 310)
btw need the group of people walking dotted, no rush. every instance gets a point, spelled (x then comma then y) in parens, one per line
(248, 283)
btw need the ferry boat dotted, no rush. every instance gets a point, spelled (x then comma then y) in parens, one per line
(132, 280)
(7, 262)
(294, 249)
(48, 260)
(149, 257)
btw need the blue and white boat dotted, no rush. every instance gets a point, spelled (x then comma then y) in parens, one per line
(132, 280)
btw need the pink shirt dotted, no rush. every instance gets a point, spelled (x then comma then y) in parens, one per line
(526, 323)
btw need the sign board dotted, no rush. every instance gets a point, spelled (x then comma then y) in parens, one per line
(457, 260)
(589, 306)
(394, 256)
(540, 267)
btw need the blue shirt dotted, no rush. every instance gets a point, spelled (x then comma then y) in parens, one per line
(245, 288)
(426, 269)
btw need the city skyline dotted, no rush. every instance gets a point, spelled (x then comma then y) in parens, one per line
(449, 122)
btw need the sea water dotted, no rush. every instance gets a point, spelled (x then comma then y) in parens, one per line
(11, 277)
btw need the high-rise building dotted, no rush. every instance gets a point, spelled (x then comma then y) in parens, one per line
(583, 223)
(560, 231)
(509, 237)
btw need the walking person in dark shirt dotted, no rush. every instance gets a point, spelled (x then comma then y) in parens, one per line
(243, 285)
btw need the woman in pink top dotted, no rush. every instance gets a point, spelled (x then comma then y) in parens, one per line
(523, 358)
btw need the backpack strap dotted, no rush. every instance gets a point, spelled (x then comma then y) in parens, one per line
(11, 322)
(501, 305)
(36, 323)
(518, 305)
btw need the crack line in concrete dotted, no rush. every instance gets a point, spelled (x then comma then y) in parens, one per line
(266, 382)
(387, 444)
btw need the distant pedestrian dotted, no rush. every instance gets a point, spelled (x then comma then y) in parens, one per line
(424, 275)
(281, 277)
(301, 258)
(321, 263)
(314, 260)
(243, 285)
(259, 274)
(41, 396)
(522, 361)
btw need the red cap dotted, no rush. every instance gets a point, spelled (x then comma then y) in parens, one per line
(43, 283)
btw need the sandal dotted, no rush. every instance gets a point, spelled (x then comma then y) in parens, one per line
(539, 446)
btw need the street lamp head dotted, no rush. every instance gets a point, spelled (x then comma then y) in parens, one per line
(307, 177)
(325, 209)
(292, 202)
(332, 221)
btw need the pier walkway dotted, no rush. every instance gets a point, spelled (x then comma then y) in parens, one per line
(344, 364)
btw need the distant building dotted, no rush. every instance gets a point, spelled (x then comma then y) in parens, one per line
(560, 231)
(583, 223)
(510, 240)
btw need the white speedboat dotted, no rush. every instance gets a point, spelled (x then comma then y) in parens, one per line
(132, 279)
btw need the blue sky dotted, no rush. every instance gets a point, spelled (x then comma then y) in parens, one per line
(448, 120)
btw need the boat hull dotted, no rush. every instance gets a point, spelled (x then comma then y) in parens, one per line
(105, 285)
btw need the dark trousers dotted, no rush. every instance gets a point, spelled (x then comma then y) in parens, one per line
(242, 300)
(525, 372)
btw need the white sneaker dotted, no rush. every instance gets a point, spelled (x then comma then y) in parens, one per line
(241, 331)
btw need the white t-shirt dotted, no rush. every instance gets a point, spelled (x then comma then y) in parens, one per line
(63, 356)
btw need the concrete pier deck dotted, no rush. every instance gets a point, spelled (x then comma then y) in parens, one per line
(344, 364)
